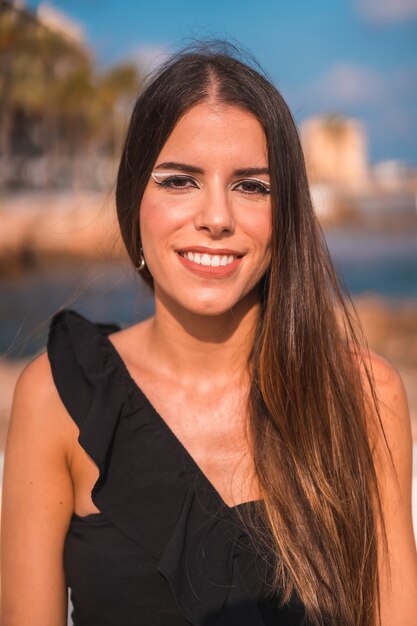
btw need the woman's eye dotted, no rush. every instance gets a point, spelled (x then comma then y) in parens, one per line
(177, 182)
(253, 187)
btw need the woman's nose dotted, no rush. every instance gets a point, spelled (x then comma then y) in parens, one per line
(215, 213)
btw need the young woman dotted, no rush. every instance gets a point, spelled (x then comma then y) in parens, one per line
(238, 458)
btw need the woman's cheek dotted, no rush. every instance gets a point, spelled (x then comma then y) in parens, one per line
(163, 216)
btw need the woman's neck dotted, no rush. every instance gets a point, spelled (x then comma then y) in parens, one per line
(202, 350)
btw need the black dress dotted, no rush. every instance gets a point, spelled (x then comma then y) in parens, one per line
(165, 549)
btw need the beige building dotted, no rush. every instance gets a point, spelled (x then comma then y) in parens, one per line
(335, 149)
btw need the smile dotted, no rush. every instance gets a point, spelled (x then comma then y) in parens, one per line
(209, 266)
(209, 260)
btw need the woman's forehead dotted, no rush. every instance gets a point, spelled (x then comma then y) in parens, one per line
(208, 132)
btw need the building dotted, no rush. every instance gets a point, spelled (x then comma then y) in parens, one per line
(335, 150)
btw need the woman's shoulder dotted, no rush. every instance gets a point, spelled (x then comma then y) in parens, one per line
(388, 385)
(37, 406)
(387, 410)
(392, 452)
(35, 381)
(382, 373)
(390, 425)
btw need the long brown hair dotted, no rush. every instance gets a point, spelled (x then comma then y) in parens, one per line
(307, 405)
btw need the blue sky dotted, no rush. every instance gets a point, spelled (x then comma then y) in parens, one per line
(355, 57)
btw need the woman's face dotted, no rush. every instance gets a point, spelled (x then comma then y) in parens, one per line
(205, 216)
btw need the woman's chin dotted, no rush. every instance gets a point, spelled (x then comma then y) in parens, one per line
(209, 309)
(220, 306)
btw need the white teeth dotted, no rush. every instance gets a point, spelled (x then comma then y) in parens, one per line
(208, 260)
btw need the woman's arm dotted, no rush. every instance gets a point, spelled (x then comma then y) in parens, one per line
(398, 571)
(37, 503)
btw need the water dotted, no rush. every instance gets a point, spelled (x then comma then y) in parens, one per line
(381, 263)
(101, 291)
(384, 264)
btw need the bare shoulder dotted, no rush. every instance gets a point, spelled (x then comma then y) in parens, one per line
(36, 378)
(392, 451)
(37, 500)
(388, 421)
(383, 370)
(387, 376)
(393, 455)
(390, 394)
(37, 405)
(38, 446)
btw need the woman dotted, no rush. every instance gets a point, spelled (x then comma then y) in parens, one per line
(238, 458)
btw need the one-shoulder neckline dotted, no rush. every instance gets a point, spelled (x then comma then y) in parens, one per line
(160, 420)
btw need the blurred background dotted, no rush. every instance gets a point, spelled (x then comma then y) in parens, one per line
(69, 73)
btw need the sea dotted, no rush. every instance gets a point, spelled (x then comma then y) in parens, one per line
(380, 263)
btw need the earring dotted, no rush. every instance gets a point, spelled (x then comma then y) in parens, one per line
(142, 263)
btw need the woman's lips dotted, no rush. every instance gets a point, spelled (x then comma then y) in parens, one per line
(210, 271)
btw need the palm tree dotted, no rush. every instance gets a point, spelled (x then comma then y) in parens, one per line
(53, 101)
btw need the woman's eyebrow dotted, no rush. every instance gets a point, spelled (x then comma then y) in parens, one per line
(192, 169)
(181, 167)
(251, 171)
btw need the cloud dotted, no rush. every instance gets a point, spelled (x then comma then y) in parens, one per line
(346, 85)
(383, 100)
(386, 11)
(150, 56)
